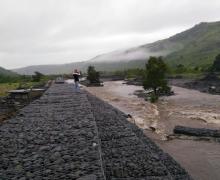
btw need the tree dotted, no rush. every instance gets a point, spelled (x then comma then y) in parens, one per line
(180, 68)
(155, 75)
(216, 63)
(37, 77)
(93, 75)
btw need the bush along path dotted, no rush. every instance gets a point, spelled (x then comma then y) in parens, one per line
(67, 135)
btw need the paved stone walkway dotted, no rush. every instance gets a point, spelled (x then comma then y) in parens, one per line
(67, 135)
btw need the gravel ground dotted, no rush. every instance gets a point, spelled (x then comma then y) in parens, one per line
(67, 135)
(54, 137)
(126, 152)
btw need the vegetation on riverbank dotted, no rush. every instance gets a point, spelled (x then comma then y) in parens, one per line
(177, 71)
(5, 87)
(155, 78)
(92, 75)
(10, 82)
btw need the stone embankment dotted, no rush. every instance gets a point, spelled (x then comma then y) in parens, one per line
(126, 152)
(67, 135)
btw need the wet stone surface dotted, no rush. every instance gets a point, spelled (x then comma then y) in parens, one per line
(126, 152)
(67, 135)
(52, 138)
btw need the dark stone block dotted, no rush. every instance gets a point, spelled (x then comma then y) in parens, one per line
(202, 132)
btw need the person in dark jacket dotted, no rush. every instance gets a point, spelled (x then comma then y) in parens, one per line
(76, 75)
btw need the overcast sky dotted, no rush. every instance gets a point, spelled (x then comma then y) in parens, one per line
(61, 31)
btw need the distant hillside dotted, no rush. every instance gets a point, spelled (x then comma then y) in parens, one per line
(200, 45)
(194, 47)
(5, 72)
(68, 68)
(50, 69)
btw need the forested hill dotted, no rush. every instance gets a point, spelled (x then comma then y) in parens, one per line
(198, 45)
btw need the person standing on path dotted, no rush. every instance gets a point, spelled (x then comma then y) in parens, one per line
(76, 75)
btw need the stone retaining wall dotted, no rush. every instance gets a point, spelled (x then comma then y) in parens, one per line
(68, 135)
(126, 152)
(52, 138)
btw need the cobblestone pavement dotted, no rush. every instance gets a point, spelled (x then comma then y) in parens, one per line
(67, 135)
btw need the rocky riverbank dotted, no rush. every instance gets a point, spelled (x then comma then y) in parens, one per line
(126, 152)
(209, 84)
(186, 107)
(8, 108)
(67, 135)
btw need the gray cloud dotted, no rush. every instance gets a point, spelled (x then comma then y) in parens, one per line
(56, 31)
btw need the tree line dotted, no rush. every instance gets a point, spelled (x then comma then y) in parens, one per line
(154, 75)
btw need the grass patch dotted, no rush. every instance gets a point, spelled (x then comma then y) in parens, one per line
(5, 87)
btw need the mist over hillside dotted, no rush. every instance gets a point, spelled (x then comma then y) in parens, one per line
(5, 72)
(194, 47)
(50, 69)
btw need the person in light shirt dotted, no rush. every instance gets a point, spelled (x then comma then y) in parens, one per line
(76, 75)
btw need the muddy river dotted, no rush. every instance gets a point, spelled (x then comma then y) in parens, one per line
(187, 107)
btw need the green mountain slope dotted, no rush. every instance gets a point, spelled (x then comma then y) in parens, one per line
(200, 45)
(197, 46)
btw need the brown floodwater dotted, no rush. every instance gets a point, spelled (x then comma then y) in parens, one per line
(187, 107)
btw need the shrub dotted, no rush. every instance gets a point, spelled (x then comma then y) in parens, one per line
(93, 75)
(153, 98)
(155, 73)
